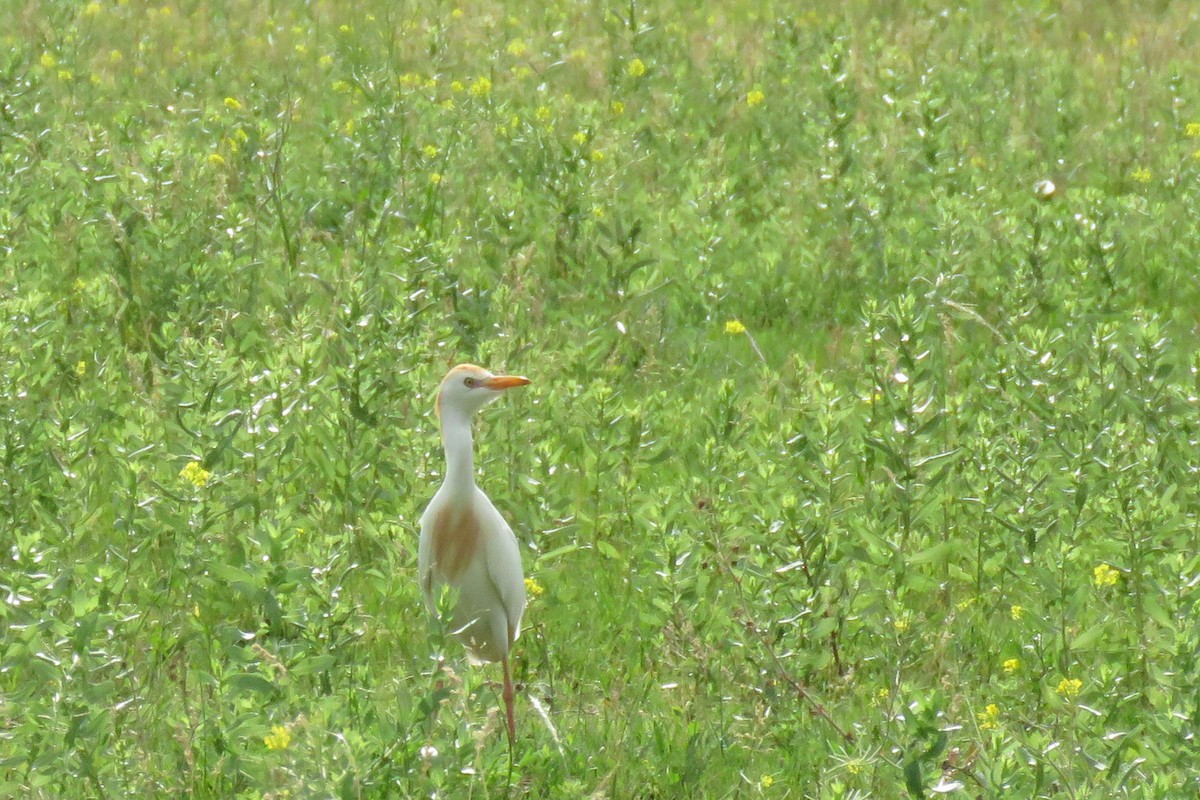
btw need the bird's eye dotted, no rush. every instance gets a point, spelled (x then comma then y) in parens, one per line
(469, 383)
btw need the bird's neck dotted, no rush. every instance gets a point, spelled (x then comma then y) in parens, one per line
(460, 452)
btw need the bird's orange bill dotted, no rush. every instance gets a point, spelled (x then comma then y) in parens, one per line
(505, 381)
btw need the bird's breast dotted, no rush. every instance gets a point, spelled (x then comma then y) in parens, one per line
(455, 540)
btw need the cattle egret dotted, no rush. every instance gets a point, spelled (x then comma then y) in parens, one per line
(465, 543)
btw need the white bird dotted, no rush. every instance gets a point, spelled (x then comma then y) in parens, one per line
(465, 543)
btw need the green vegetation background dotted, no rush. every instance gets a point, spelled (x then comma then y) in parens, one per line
(855, 464)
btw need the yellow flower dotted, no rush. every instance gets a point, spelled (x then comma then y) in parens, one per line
(754, 98)
(91, 10)
(325, 60)
(195, 474)
(989, 718)
(617, 108)
(345, 29)
(232, 104)
(883, 693)
(301, 48)
(735, 327)
(1104, 575)
(534, 588)
(340, 86)
(1069, 687)
(542, 113)
(596, 155)
(430, 151)
(456, 13)
(435, 178)
(1016, 612)
(1192, 130)
(1140, 175)
(1012, 665)
(901, 625)
(81, 368)
(598, 212)
(481, 87)
(855, 766)
(411, 79)
(580, 138)
(457, 86)
(65, 75)
(278, 739)
(216, 159)
(517, 48)
(636, 68)
(115, 56)
(48, 60)
(766, 782)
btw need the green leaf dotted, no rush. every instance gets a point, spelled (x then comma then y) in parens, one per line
(936, 554)
(1156, 612)
(249, 682)
(1088, 638)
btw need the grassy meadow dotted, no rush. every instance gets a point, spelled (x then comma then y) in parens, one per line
(860, 459)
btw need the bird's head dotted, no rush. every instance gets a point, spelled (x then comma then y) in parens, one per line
(468, 388)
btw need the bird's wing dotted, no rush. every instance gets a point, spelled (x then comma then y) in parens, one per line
(424, 558)
(504, 566)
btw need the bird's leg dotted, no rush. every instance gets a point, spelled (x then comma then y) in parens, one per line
(509, 696)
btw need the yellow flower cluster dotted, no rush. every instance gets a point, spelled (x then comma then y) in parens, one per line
(755, 97)
(989, 718)
(1012, 665)
(1016, 612)
(278, 739)
(636, 68)
(1192, 130)
(1140, 175)
(1104, 575)
(195, 474)
(534, 588)
(1069, 687)
(735, 327)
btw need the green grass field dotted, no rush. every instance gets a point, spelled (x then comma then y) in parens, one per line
(859, 463)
